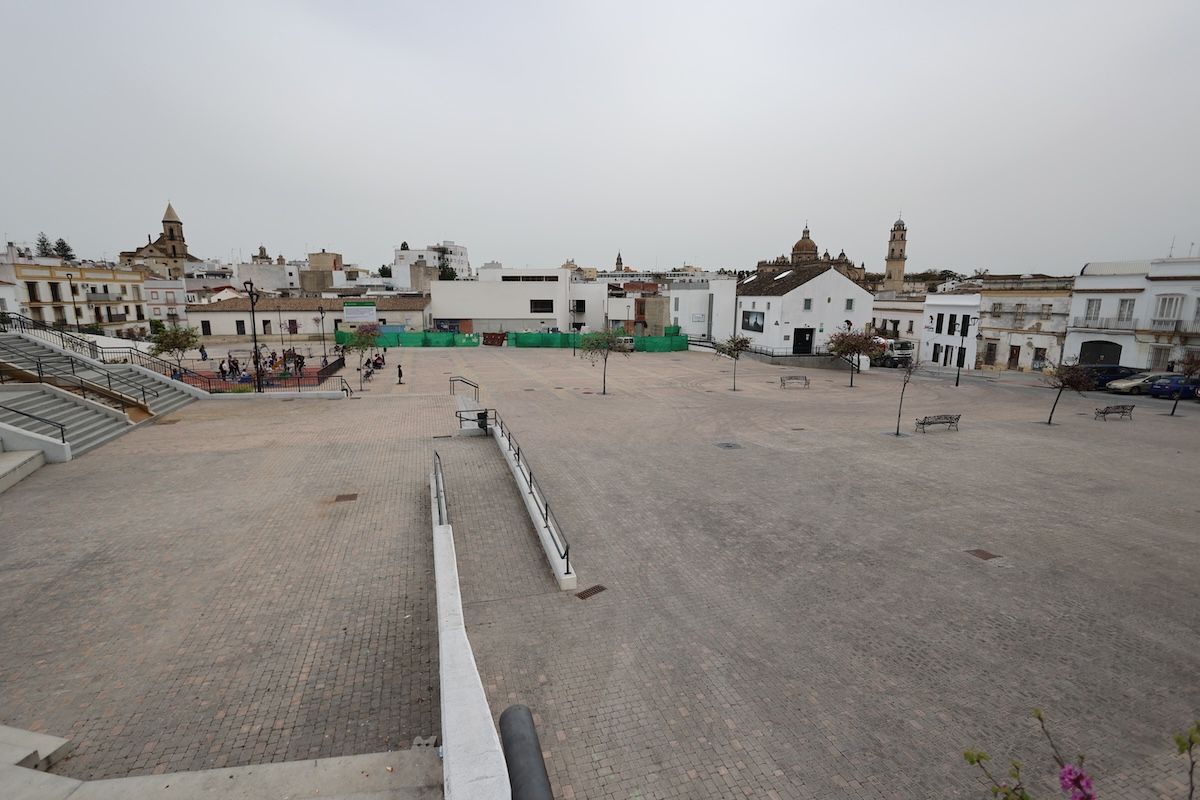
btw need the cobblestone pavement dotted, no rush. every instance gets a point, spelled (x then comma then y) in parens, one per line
(192, 595)
(798, 617)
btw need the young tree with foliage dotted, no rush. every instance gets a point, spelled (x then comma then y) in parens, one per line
(63, 250)
(1068, 375)
(175, 341)
(1190, 368)
(361, 340)
(447, 273)
(909, 369)
(44, 248)
(852, 345)
(385, 271)
(157, 326)
(598, 346)
(733, 347)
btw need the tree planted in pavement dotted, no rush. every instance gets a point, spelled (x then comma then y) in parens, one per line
(852, 345)
(361, 340)
(909, 369)
(733, 347)
(175, 341)
(1190, 367)
(599, 346)
(1068, 375)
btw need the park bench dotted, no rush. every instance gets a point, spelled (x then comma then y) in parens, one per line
(949, 420)
(1125, 412)
(787, 380)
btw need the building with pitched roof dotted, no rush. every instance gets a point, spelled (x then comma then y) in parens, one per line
(167, 254)
(794, 310)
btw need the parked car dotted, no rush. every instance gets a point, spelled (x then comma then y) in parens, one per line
(1175, 386)
(1102, 374)
(1136, 384)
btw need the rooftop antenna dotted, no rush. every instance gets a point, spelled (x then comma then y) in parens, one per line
(1171, 252)
(1190, 246)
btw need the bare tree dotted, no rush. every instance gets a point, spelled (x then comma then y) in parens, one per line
(909, 369)
(852, 345)
(1068, 375)
(1190, 367)
(733, 347)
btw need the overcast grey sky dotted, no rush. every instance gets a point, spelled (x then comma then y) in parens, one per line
(1015, 136)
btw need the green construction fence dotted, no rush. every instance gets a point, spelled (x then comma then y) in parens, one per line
(642, 344)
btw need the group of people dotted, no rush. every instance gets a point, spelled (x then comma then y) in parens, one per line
(290, 362)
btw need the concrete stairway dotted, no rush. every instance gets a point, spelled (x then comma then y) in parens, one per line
(18, 464)
(86, 425)
(162, 394)
(401, 775)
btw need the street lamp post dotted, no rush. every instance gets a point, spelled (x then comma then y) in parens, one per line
(962, 354)
(253, 295)
(74, 308)
(279, 319)
(324, 353)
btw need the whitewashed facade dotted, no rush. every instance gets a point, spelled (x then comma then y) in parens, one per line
(795, 311)
(948, 337)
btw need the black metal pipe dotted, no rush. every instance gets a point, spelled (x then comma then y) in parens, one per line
(523, 752)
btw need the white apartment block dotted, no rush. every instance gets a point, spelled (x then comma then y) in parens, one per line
(166, 301)
(447, 254)
(949, 335)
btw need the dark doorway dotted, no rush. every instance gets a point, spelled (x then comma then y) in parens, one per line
(1014, 356)
(989, 357)
(1098, 352)
(802, 341)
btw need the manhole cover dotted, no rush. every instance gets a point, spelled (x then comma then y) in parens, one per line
(345, 498)
(595, 590)
(728, 445)
(983, 554)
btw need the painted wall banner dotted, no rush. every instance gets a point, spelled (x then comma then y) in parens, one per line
(358, 312)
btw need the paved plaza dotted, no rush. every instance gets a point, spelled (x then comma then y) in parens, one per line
(795, 616)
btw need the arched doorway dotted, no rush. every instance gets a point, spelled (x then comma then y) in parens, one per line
(1100, 352)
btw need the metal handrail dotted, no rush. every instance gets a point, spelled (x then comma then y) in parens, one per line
(561, 543)
(62, 429)
(460, 379)
(72, 361)
(346, 388)
(439, 484)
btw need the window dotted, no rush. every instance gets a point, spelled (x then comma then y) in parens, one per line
(962, 357)
(294, 326)
(1093, 309)
(170, 297)
(849, 303)
(676, 303)
(996, 308)
(241, 327)
(153, 295)
(205, 328)
(1020, 310)
(937, 328)
(1159, 357)
(808, 304)
(266, 323)
(1168, 307)
(124, 289)
(1047, 309)
(952, 326)
(1125, 310)
(768, 305)
(74, 289)
(578, 306)
(31, 289)
(157, 311)
(54, 293)
(541, 306)
(910, 326)
(937, 352)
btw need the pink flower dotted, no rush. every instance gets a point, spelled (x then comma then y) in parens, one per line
(1074, 780)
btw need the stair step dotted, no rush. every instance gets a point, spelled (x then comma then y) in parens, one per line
(48, 749)
(18, 464)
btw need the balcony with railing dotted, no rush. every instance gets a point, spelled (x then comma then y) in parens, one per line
(1105, 323)
(118, 317)
(103, 297)
(1166, 325)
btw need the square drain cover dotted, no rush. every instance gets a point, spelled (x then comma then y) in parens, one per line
(729, 445)
(345, 498)
(984, 554)
(595, 590)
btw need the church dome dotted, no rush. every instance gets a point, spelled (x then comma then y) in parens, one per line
(805, 246)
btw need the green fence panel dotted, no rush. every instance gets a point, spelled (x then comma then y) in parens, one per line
(439, 339)
(511, 339)
(652, 344)
(679, 343)
(466, 340)
(410, 339)
(341, 337)
(671, 330)
(529, 340)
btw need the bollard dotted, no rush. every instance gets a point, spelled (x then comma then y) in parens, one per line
(523, 752)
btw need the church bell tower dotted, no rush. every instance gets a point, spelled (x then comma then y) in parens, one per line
(893, 275)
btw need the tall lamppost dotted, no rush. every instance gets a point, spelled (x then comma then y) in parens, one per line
(74, 308)
(253, 295)
(324, 353)
(962, 352)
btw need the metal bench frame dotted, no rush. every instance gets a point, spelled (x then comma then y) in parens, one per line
(1124, 412)
(949, 420)
(784, 380)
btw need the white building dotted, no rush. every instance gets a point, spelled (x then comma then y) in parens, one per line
(10, 298)
(951, 327)
(296, 316)
(514, 300)
(900, 318)
(1142, 314)
(795, 310)
(166, 300)
(444, 255)
(703, 308)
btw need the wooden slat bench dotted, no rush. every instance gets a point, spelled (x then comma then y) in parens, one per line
(787, 380)
(1124, 412)
(949, 420)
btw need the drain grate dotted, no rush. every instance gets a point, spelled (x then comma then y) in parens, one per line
(983, 554)
(166, 422)
(443, 436)
(798, 429)
(728, 445)
(346, 498)
(531, 390)
(586, 593)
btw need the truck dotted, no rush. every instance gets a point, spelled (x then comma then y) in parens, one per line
(897, 353)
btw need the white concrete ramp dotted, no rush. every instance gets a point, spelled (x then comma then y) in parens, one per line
(401, 775)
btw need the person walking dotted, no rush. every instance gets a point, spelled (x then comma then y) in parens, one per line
(203, 353)
(399, 373)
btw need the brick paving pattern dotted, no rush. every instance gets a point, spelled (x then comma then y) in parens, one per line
(795, 618)
(192, 596)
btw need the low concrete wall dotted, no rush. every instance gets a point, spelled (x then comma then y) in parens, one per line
(274, 396)
(567, 581)
(14, 438)
(473, 764)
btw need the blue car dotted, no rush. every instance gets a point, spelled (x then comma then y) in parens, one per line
(1175, 387)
